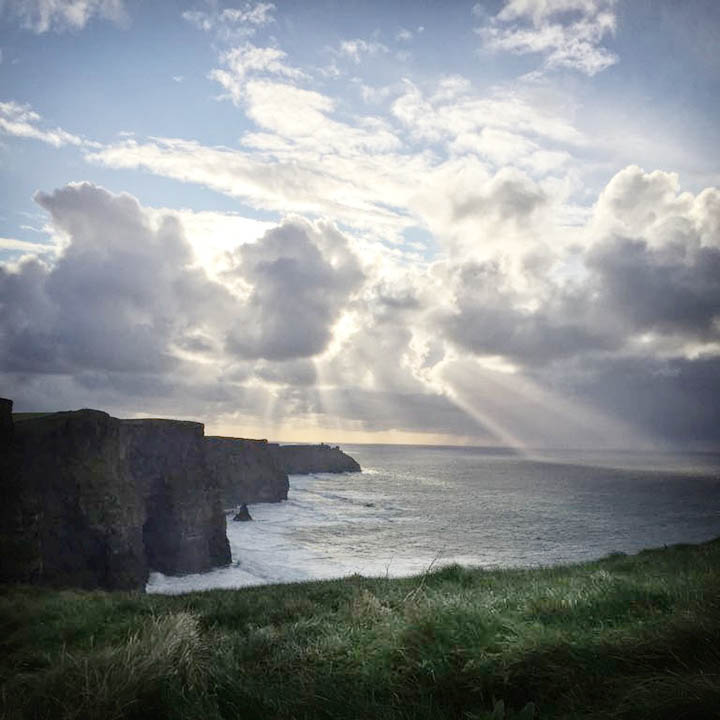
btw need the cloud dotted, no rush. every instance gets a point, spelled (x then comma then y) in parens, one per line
(358, 48)
(454, 109)
(672, 399)
(230, 23)
(25, 246)
(299, 277)
(509, 196)
(568, 32)
(649, 274)
(42, 16)
(491, 316)
(310, 323)
(249, 60)
(121, 292)
(378, 173)
(22, 121)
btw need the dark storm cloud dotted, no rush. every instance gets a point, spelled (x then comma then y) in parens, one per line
(673, 289)
(672, 399)
(489, 318)
(300, 275)
(119, 295)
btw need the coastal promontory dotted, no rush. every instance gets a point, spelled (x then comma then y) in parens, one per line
(304, 459)
(93, 501)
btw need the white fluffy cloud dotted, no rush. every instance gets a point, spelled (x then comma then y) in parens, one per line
(119, 295)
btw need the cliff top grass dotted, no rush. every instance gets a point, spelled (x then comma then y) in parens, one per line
(624, 637)
(19, 417)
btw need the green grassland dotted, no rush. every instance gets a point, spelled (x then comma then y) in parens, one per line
(624, 637)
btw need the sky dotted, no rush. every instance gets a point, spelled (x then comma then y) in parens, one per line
(487, 223)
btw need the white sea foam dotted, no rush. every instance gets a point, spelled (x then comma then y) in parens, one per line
(278, 545)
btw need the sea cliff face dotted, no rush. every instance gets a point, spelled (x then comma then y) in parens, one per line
(184, 527)
(89, 500)
(304, 459)
(93, 501)
(246, 471)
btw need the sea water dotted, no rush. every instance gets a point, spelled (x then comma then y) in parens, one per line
(415, 507)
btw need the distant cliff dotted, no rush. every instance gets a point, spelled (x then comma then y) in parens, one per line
(246, 471)
(304, 459)
(93, 501)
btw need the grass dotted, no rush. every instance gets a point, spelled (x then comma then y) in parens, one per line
(624, 637)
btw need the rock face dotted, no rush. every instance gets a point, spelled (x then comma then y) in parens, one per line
(304, 459)
(246, 471)
(93, 501)
(184, 526)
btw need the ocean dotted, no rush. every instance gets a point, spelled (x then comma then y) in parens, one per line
(418, 507)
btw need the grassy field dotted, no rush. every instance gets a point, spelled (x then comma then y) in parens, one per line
(625, 637)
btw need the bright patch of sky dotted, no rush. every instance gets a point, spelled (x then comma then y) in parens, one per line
(437, 191)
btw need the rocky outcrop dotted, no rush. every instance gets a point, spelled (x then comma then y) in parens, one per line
(93, 501)
(242, 515)
(304, 459)
(246, 471)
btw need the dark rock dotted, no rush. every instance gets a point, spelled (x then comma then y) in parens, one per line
(184, 529)
(77, 516)
(304, 459)
(243, 514)
(6, 418)
(93, 501)
(246, 471)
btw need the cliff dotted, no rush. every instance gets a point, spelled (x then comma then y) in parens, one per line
(184, 526)
(246, 471)
(304, 459)
(88, 500)
(93, 501)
